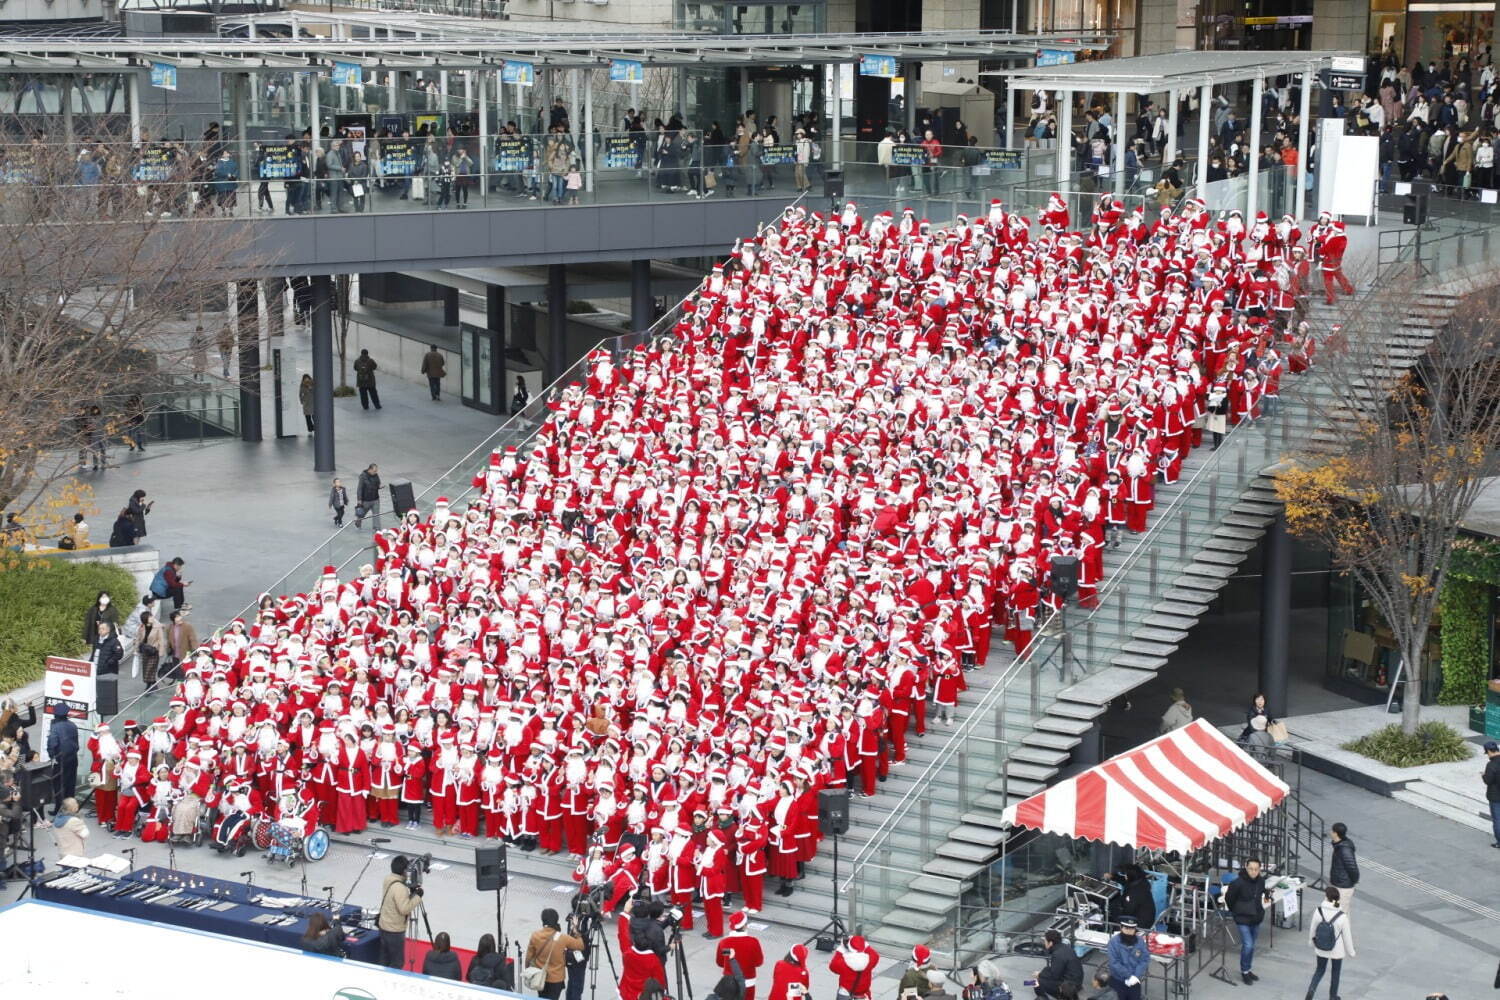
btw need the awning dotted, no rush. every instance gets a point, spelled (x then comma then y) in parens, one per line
(1175, 793)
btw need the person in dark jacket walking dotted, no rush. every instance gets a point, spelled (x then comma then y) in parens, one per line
(488, 967)
(442, 962)
(323, 938)
(433, 368)
(364, 379)
(367, 496)
(338, 499)
(1343, 866)
(62, 747)
(1062, 967)
(107, 651)
(1492, 787)
(1246, 900)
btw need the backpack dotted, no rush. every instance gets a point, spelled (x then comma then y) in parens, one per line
(1325, 935)
(159, 583)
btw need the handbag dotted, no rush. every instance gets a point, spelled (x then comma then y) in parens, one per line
(418, 187)
(535, 976)
(1165, 944)
(358, 189)
(1277, 731)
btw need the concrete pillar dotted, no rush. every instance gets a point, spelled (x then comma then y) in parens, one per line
(239, 83)
(450, 307)
(744, 89)
(836, 81)
(495, 315)
(65, 102)
(314, 112)
(484, 132)
(254, 82)
(133, 82)
(247, 311)
(322, 373)
(393, 91)
(1252, 190)
(1304, 106)
(1205, 117)
(274, 290)
(1120, 139)
(1064, 140)
(909, 78)
(1275, 615)
(1173, 99)
(575, 119)
(557, 321)
(588, 130)
(641, 307)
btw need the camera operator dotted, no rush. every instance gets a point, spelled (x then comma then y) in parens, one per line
(397, 902)
(643, 947)
(547, 950)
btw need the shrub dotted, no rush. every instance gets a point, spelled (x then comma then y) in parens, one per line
(1432, 743)
(42, 603)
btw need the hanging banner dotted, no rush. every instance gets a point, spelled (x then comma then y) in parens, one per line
(908, 155)
(522, 74)
(512, 154)
(881, 66)
(1055, 57)
(277, 162)
(783, 153)
(154, 163)
(622, 152)
(347, 74)
(18, 166)
(67, 682)
(1002, 159)
(626, 71)
(393, 124)
(398, 157)
(428, 124)
(164, 75)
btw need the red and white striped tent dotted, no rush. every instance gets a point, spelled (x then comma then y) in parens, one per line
(1175, 793)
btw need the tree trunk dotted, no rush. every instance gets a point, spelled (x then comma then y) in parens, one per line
(1411, 693)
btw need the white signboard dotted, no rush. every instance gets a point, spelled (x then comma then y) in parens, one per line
(67, 682)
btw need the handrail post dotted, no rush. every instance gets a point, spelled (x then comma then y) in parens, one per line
(1151, 561)
(924, 814)
(963, 781)
(1036, 688)
(1182, 550)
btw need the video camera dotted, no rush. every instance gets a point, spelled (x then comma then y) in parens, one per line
(418, 866)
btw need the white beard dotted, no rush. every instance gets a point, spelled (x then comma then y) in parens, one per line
(236, 727)
(385, 751)
(575, 772)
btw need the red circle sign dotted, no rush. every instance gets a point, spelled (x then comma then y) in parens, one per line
(66, 687)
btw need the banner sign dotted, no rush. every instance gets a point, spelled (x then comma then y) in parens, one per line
(626, 71)
(512, 154)
(393, 124)
(428, 124)
(164, 75)
(278, 162)
(1002, 159)
(19, 166)
(1055, 57)
(908, 155)
(882, 66)
(520, 73)
(398, 157)
(154, 163)
(347, 74)
(622, 152)
(773, 156)
(67, 682)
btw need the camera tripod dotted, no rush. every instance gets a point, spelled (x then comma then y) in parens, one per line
(834, 929)
(593, 937)
(679, 963)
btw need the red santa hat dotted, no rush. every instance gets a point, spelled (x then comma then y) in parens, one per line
(739, 920)
(921, 955)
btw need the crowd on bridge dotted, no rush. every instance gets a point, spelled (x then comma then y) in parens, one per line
(750, 560)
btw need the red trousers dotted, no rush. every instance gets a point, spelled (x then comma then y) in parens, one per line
(444, 810)
(104, 805)
(867, 773)
(1336, 276)
(899, 722)
(919, 712)
(551, 836)
(576, 830)
(125, 812)
(713, 915)
(468, 818)
(754, 889)
(386, 810)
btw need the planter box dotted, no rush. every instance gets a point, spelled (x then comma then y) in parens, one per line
(1476, 718)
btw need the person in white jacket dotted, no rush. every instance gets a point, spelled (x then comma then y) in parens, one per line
(1341, 944)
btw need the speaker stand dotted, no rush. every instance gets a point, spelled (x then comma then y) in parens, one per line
(835, 930)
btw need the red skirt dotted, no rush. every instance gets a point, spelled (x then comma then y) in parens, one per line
(349, 813)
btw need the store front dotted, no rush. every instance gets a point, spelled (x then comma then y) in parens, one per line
(1431, 30)
(1262, 25)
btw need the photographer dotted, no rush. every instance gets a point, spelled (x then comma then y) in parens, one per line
(643, 947)
(397, 903)
(547, 950)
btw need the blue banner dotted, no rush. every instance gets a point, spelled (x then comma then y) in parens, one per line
(522, 73)
(346, 74)
(164, 75)
(278, 162)
(883, 66)
(512, 154)
(626, 71)
(398, 157)
(1002, 159)
(623, 151)
(1055, 57)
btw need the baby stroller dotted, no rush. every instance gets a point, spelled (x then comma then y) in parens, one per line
(187, 825)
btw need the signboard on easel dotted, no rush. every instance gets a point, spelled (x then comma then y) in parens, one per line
(67, 682)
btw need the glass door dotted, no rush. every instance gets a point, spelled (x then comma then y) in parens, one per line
(483, 368)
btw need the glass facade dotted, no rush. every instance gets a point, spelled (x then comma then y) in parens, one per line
(1283, 25)
(1431, 31)
(751, 18)
(1117, 17)
(1362, 656)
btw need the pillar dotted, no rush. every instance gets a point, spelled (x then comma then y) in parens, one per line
(247, 313)
(641, 306)
(322, 362)
(274, 289)
(1275, 614)
(65, 103)
(1064, 140)
(1205, 117)
(1252, 189)
(575, 119)
(1120, 139)
(239, 83)
(494, 319)
(314, 113)
(254, 81)
(450, 307)
(909, 78)
(588, 129)
(134, 84)
(836, 79)
(484, 132)
(557, 320)
(1304, 106)
(744, 89)
(1173, 99)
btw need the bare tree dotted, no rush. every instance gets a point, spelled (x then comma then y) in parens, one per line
(96, 264)
(1400, 453)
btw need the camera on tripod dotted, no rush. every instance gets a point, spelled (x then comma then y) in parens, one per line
(416, 869)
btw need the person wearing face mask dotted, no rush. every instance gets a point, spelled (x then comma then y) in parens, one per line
(1128, 960)
(102, 609)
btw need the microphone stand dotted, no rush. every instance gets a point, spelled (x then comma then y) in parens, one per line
(368, 858)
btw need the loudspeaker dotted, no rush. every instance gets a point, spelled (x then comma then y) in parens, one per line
(833, 811)
(833, 183)
(1064, 576)
(490, 869)
(35, 780)
(107, 694)
(402, 498)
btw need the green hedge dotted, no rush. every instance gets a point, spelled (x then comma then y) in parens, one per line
(1466, 641)
(1432, 743)
(42, 604)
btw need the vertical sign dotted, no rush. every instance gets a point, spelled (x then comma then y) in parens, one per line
(67, 682)
(164, 75)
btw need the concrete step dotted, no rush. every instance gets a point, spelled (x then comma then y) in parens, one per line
(1234, 532)
(1176, 623)
(1236, 547)
(1076, 710)
(1136, 661)
(1141, 647)
(939, 886)
(1254, 522)
(1417, 794)
(958, 868)
(961, 851)
(1045, 756)
(916, 920)
(1049, 740)
(983, 836)
(927, 902)
(1219, 557)
(1169, 636)
(1064, 725)
(1024, 771)
(1196, 606)
(996, 802)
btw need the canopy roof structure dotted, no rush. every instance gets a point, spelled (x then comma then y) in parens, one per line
(449, 43)
(1176, 793)
(1175, 71)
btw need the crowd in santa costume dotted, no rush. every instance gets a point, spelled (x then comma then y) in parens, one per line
(737, 565)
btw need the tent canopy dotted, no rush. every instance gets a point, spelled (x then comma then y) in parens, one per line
(1176, 793)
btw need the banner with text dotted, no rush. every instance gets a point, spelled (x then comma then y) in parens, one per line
(626, 71)
(67, 682)
(164, 75)
(908, 155)
(347, 74)
(512, 154)
(520, 73)
(882, 66)
(277, 162)
(398, 157)
(622, 152)
(154, 163)
(775, 156)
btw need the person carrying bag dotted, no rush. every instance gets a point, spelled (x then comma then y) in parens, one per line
(545, 972)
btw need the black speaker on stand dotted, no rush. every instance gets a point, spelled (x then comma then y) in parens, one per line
(492, 874)
(833, 821)
(35, 781)
(107, 694)
(1065, 585)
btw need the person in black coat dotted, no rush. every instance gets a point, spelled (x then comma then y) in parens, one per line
(1257, 708)
(1137, 900)
(488, 967)
(101, 610)
(1343, 866)
(1062, 967)
(107, 651)
(442, 962)
(62, 747)
(322, 937)
(1246, 900)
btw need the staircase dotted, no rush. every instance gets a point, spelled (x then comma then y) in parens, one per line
(1022, 731)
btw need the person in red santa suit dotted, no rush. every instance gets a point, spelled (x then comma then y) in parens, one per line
(871, 721)
(352, 775)
(624, 875)
(684, 874)
(492, 793)
(386, 778)
(854, 965)
(1139, 491)
(1331, 249)
(413, 785)
(785, 820)
(550, 805)
(711, 859)
(641, 964)
(950, 677)
(466, 794)
(575, 801)
(135, 786)
(106, 757)
(789, 977)
(742, 949)
(751, 840)
(441, 787)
